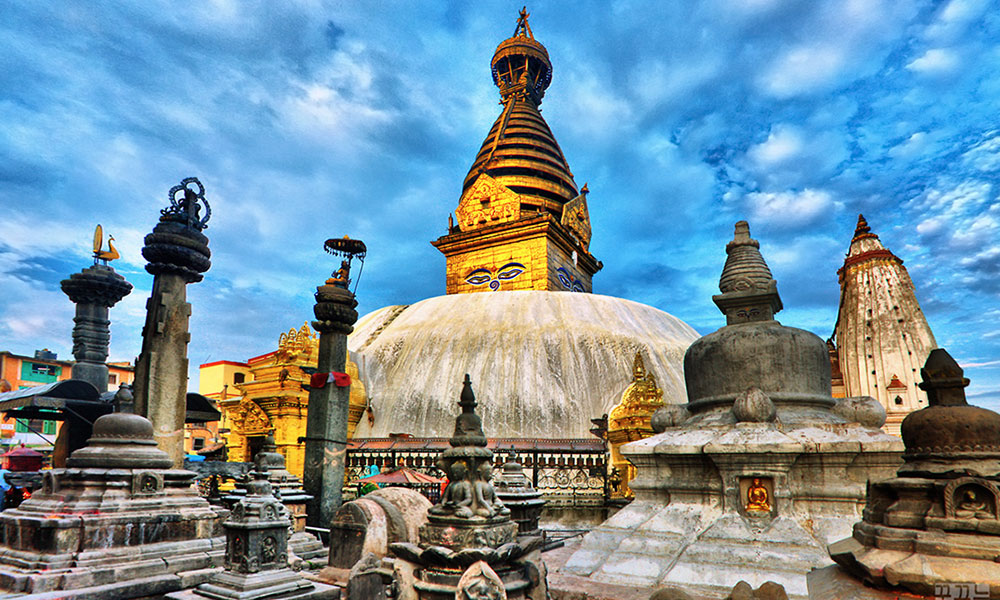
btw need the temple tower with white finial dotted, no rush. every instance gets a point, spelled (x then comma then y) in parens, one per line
(882, 337)
(521, 223)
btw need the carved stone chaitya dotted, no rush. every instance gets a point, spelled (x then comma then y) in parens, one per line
(469, 525)
(757, 464)
(178, 254)
(935, 523)
(287, 488)
(117, 521)
(514, 489)
(256, 563)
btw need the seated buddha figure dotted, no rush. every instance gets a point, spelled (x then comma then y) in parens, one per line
(757, 497)
(972, 507)
(457, 498)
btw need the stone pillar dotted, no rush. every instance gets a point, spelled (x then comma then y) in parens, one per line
(326, 424)
(178, 254)
(94, 290)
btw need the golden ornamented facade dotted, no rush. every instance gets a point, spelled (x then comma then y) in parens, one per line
(275, 397)
(521, 221)
(629, 421)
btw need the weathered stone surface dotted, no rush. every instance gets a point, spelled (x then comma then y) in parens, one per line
(669, 415)
(754, 406)
(761, 419)
(861, 409)
(414, 354)
(938, 522)
(90, 526)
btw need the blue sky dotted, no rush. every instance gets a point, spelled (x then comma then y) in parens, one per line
(311, 120)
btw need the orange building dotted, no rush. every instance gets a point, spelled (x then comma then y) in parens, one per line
(19, 372)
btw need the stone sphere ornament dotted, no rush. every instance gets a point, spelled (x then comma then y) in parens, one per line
(754, 406)
(668, 415)
(861, 409)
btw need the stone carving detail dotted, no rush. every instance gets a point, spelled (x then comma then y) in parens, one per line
(470, 468)
(249, 417)
(971, 498)
(754, 406)
(147, 482)
(480, 582)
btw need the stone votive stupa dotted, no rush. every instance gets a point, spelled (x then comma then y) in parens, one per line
(758, 472)
(934, 529)
(469, 539)
(118, 522)
(256, 564)
(302, 545)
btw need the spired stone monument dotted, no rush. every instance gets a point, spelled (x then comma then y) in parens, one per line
(118, 522)
(469, 544)
(758, 472)
(257, 553)
(302, 545)
(934, 529)
(178, 254)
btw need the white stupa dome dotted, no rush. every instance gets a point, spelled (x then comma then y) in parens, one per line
(542, 363)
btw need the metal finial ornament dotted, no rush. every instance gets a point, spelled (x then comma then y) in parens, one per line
(185, 204)
(99, 253)
(349, 249)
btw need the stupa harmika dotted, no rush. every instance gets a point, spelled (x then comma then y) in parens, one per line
(882, 337)
(759, 471)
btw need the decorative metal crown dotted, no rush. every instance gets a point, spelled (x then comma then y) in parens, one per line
(185, 204)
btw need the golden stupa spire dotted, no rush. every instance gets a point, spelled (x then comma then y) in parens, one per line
(521, 222)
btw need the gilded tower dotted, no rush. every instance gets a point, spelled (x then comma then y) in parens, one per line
(521, 223)
(629, 421)
(882, 336)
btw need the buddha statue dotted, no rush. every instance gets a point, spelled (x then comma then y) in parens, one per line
(972, 507)
(757, 497)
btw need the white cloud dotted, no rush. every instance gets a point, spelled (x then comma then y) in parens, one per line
(790, 209)
(936, 61)
(803, 69)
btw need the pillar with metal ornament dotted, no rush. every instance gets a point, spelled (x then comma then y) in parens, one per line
(178, 254)
(94, 290)
(326, 423)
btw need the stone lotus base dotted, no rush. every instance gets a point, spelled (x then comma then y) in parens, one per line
(456, 533)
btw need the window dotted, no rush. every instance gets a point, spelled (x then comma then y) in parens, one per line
(239, 377)
(197, 443)
(112, 378)
(898, 400)
(48, 427)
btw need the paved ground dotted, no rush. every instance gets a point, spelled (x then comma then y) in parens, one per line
(564, 586)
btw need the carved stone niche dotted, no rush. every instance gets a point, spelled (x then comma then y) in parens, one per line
(147, 483)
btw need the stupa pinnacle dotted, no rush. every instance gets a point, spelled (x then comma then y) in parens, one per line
(521, 223)
(881, 334)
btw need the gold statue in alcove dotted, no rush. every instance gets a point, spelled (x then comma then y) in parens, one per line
(758, 499)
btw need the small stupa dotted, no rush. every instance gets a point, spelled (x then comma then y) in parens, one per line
(302, 545)
(934, 529)
(758, 472)
(469, 539)
(118, 522)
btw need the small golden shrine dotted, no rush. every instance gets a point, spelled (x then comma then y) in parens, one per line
(521, 221)
(274, 397)
(629, 420)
